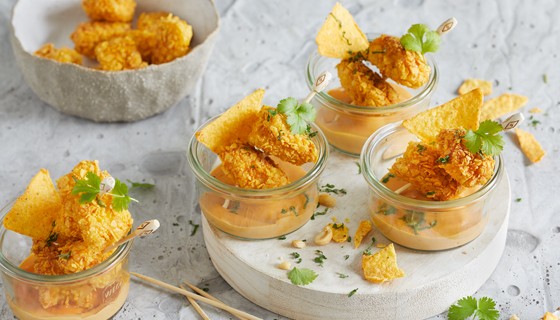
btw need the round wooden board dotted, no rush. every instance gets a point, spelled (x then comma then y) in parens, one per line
(432, 283)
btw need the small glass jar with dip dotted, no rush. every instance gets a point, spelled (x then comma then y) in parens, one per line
(409, 219)
(348, 126)
(96, 293)
(256, 214)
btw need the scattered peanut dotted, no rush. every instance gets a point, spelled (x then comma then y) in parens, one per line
(285, 265)
(324, 237)
(514, 317)
(298, 244)
(327, 200)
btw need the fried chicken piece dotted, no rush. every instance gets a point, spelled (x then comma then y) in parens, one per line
(149, 21)
(403, 66)
(63, 54)
(145, 42)
(365, 87)
(89, 34)
(250, 169)
(272, 134)
(173, 37)
(419, 167)
(99, 227)
(110, 10)
(119, 53)
(50, 257)
(454, 157)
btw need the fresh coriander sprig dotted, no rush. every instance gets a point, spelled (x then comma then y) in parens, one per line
(420, 39)
(483, 309)
(91, 186)
(139, 185)
(302, 277)
(485, 138)
(298, 114)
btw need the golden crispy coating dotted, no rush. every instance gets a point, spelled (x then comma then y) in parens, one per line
(173, 37)
(50, 260)
(110, 10)
(119, 53)
(97, 226)
(89, 34)
(365, 87)
(272, 135)
(149, 21)
(404, 67)
(63, 54)
(454, 157)
(145, 43)
(250, 169)
(419, 167)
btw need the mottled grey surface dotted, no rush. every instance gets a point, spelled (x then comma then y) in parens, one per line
(265, 44)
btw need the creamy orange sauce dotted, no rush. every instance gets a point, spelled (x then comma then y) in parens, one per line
(427, 230)
(349, 131)
(260, 218)
(26, 305)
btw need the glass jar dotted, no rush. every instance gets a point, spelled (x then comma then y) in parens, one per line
(96, 293)
(256, 214)
(418, 224)
(347, 126)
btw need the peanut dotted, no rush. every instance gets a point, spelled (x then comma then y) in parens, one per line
(327, 200)
(324, 237)
(298, 244)
(285, 265)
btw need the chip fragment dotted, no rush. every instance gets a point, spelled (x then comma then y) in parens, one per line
(234, 125)
(35, 211)
(340, 232)
(339, 36)
(549, 316)
(461, 112)
(63, 54)
(530, 146)
(381, 266)
(363, 229)
(536, 110)
(471, 84)
(504, 104)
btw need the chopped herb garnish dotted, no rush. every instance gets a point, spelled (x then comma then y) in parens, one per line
(518, 199)
(295, 255)
(204, 289)
(421, 148)
(293, 209)
(335, 226)
(329, 188)
(101, 203)
(299, 261)
(90, 187)
(432, 143)
(195, 227)
(386, 179)
(53, 223)
(359, 168)
(349, 239)
(368, 250)
(352, 292)
(339, 22)
(65, 256)
(307, 199)
(342, 275)
(252, 167)
(545, 78)
(444, 160)
(375, 52)
(139, 185)
(280, 134)
(52, 237)
(322, 213)
(320, 259)
(431, 193)
(302, 276)
(175, 224)
(534, 123)
(282, 238)
(284, 211)
(386, 210)
(272, 112)
(186, 305)
(346, 257)
(304, 240)
(235, 207)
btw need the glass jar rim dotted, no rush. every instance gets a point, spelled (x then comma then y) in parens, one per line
(218, 186)
(15, 271)
(325, 98)
(389, 194)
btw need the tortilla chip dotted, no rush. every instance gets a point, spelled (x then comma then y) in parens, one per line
(363, 229)
(34, 212)
(504, 104)
(339, 36)
(536, 110)
(339, 234)
(550, 316)
(234, 125)
(530, 146)
(461, 112)
(471, 84)
(381, 266)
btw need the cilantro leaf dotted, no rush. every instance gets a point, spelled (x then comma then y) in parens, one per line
(89, 186)
(302, 276)
(139, 185)
(465, 308)
(486, 309)
(484, 139)
(120, 197)
(297, 114)
(414, 39)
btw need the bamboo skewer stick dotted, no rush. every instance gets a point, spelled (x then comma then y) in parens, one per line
(403, 188)
(197, 297)
(207, 295)
(197, 307)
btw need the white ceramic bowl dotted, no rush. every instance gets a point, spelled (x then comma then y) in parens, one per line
(128, 95)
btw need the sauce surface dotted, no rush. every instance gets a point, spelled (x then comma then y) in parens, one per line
(265, 218)
(424, 230)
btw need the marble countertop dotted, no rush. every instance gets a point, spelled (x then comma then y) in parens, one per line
(265, 44)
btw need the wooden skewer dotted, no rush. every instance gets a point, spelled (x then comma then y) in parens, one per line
(143, 230)
(197, 297)
(196, 306)
(320, 84)
(401, 189)
(207, 295)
